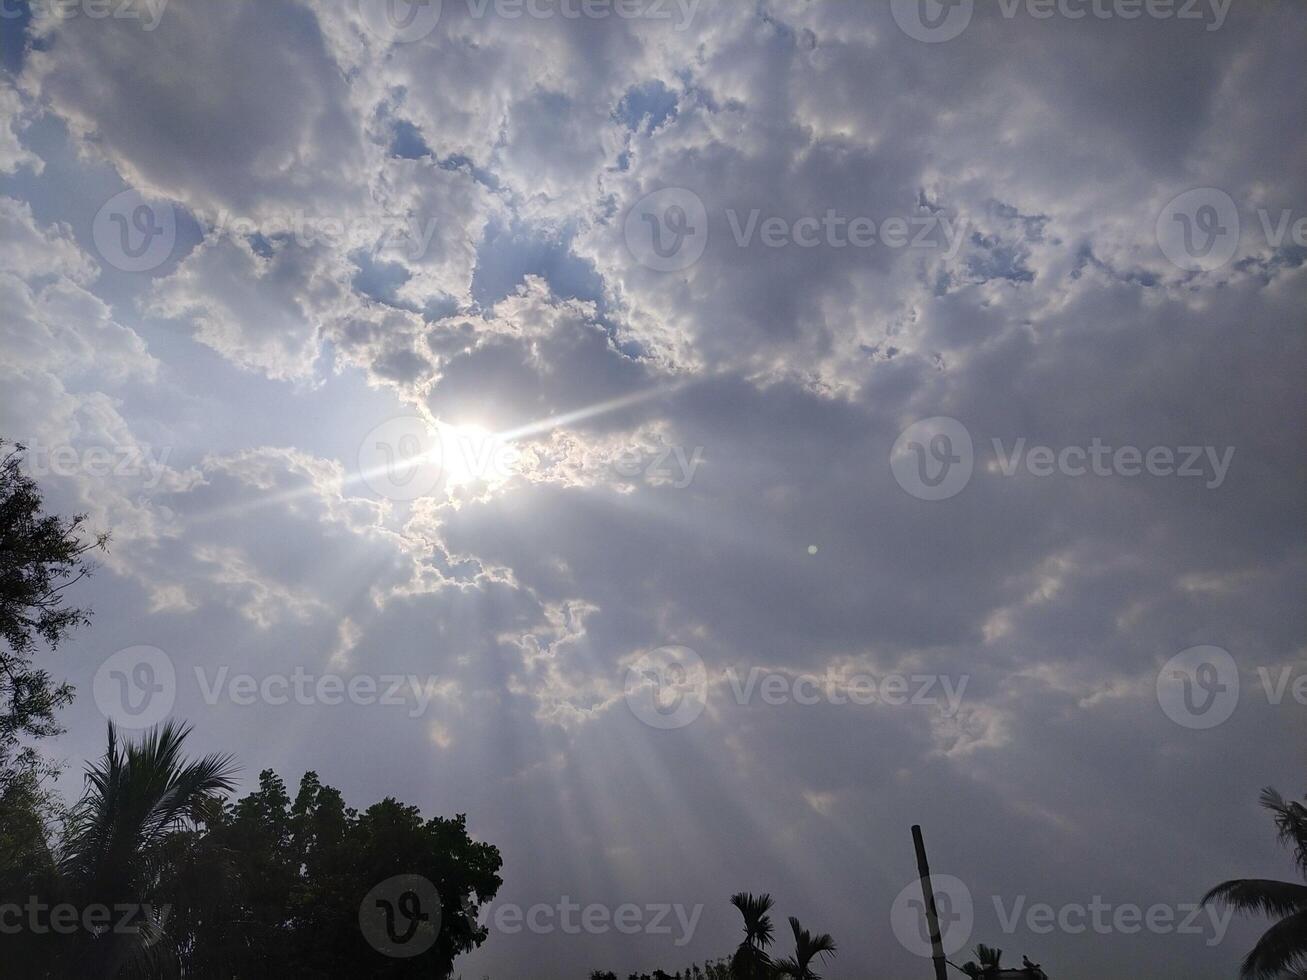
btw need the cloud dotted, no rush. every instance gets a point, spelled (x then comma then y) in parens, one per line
(12, 152)
(371, 229)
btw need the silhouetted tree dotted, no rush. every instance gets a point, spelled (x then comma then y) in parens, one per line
(712, 970)
(751, 961)
(988, 962)
(137, 796)
(990, 966)
(807, 947)
(1282, 950)
(268, 887)
(40, 556)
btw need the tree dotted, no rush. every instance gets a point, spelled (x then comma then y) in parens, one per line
(138, 795)
(807, 947)
(1282, 950)
(990, 966)
(270, 887)
(40, 557)
(751, 961)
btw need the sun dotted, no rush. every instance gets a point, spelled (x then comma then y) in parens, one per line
(471, 453)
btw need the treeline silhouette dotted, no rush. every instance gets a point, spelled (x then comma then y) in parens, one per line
(718, 970)
(199, 886)
(751, 960)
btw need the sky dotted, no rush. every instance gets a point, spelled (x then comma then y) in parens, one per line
(696, 439)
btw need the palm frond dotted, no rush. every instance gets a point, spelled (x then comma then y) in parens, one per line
(1282, 949)
(1291, 822)
(1260, 896)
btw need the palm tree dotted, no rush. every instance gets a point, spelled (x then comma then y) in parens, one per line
(751, 961)
(136, 797)
(807, 947)
(1282, 950)
(991, 962)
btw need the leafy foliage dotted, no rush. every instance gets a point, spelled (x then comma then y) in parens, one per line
(41, 555)
(261, 887)
(751, 961)
(807, 947)
(268, 887)
(1283, 947)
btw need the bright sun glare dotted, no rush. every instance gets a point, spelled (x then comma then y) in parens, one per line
(471, 453)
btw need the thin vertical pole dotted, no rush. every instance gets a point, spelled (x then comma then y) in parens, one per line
(932, 916)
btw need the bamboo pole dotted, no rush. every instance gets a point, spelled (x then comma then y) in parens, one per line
(932, 916)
